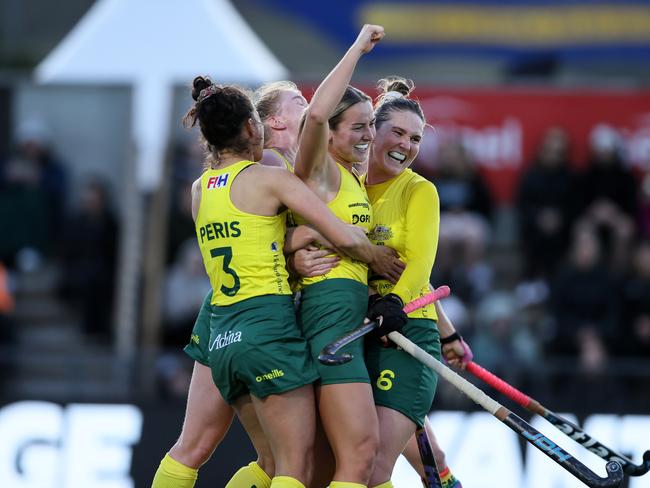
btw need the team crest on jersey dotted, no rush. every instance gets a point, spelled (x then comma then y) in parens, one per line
(217, 181)
(274, 247)
(380, 233)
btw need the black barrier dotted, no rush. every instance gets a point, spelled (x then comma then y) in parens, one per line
(161, 428)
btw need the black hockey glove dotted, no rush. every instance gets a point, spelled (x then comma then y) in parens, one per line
(388, 307)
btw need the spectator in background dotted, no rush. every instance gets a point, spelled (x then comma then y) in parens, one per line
(182, 286)
(501, 339)
(609, 195)
(181, 225)
(185, 287)
(88, 258)
(545, 205)
(461, 188)
(34, 181)
(465, 213)
(585, 304)
(7, 304)
(634, 333)
(186, 167)
(644, 207)
(7, 332)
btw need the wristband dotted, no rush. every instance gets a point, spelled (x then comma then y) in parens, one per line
(449, 339)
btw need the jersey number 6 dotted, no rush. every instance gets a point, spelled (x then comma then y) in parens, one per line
(226, 252)
(384, 381)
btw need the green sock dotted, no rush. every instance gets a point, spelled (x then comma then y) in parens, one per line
(388, 484)
(251, 475)
(286, 482)
(345, 484)
(172, 474)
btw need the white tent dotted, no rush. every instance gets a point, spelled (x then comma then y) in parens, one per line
(153, 45)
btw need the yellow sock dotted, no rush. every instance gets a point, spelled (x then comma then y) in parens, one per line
(251, 475)
(345, 484)
(172, 474)
(388, 484)
(286, 482)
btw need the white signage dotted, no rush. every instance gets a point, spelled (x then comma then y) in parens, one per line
(45, 445)
(483, 452)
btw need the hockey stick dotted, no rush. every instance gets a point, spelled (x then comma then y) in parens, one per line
(517, 424)
(569, 428)
(431, 476)
(328, 354)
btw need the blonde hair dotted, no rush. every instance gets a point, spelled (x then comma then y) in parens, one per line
(267, 100)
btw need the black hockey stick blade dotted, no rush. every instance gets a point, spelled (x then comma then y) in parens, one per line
(329, 354)
(517, 424)
(572, 465)
(592, 445)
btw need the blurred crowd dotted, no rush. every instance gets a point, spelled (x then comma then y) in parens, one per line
(574, 283)
(582, 289)
(42, 227)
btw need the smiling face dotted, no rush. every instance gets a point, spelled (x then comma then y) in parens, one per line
(396, 145)
(350, 140)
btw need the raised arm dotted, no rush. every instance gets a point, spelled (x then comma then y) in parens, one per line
(311, 160)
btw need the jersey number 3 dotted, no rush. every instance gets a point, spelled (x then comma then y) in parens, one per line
(226, 252)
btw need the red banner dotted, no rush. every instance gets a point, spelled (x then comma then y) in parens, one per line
(502, 128)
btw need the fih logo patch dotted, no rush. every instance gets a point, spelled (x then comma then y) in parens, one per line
(217, 181)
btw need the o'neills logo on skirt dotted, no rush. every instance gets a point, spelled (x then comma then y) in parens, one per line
(276, 373)
(225, 339)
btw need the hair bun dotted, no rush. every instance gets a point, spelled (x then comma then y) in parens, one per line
(200, 83)
(396, 84)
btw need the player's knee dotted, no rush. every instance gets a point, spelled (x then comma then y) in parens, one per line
(365, 451)
(370, 444)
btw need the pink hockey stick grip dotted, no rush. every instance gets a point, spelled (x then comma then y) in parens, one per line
(498, 384)
(437, 294)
